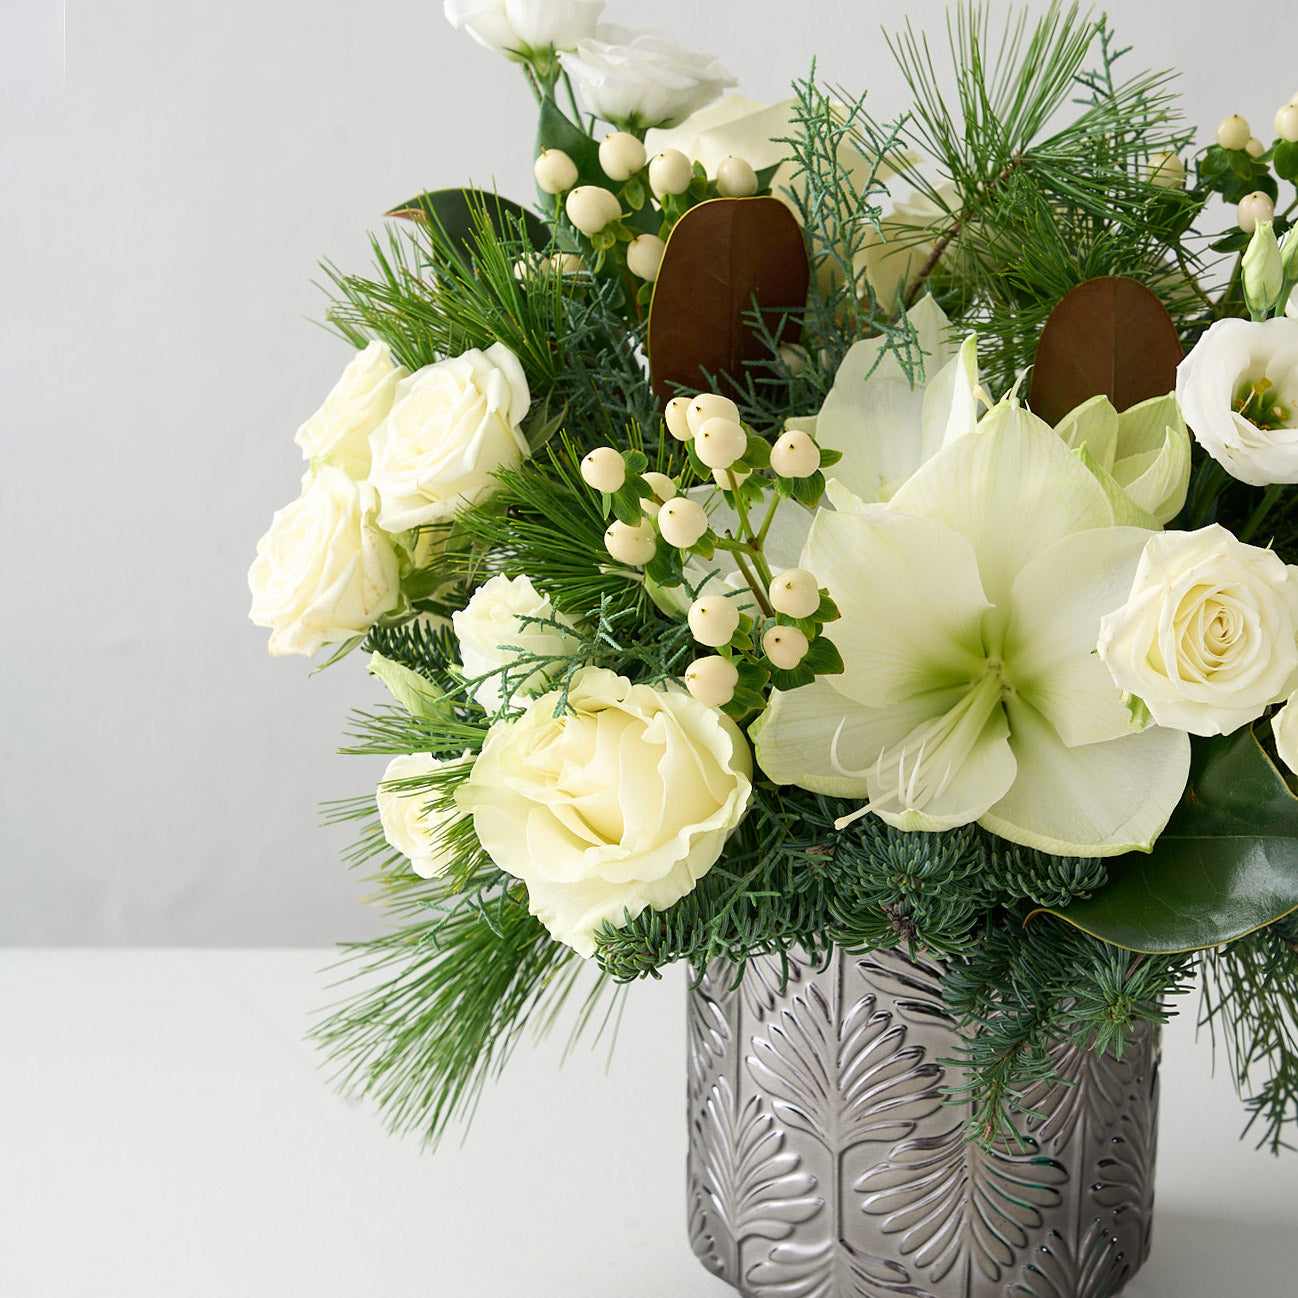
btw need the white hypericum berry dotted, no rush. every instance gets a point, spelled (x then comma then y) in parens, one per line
(709, 405)
(1286, 123)
(1166, 171)
(1253, 208)
(644, 255)
(591, 207)
(713, 619)
(632, 545)
(670, 172)
(604, 469)
(660, 484)
(795, 592)
(555, 171)
(795, 455)
(736, 178)
(712, 680)
(728, 479)
(676, 415)
(621, 155)
(1254, 147)
(1233, 132)
(681, 522)
(563, 263)
(785, 646)
(719, 442)
(794, 358)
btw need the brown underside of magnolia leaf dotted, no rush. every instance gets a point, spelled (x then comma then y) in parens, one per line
(1109, 336)
(723, 258)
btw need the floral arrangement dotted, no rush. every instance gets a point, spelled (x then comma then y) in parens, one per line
(805, 530)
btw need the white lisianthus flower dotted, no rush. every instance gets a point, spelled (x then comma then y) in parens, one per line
(339, 432)
(412, 822)
(324, 571)
(1208, 636)
(622, 799)
(970, 604)
(521, 29)
(884, 425)
(495, 630)
(1238, 391)
(636, 79)
(451, 426)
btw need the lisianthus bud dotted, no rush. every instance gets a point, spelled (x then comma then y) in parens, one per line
(555, 171)
(713, 619)
(719, 442)
(785, 646)
(1289, 255)
(1253, 208)
(710, 405)
(795, 592)
(1254, 147)
(1166, 171)
(1233, 132)
(631, 545)
(736, 178)
(621, 155)
(670, 172)
(1286, 123)
(712, 680)
(795, 455)
(681, 522)
(590, 208)
(644, 255)
(604, 469)
(1263, 270)
(675, 414)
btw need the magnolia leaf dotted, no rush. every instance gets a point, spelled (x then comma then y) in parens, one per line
(458, 212)
(1226, 865)
(725, 258)
(420, 697)
(1109, 336)
(555, 131)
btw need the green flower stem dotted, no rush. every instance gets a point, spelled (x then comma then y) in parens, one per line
(760, 539)
(1256, 518)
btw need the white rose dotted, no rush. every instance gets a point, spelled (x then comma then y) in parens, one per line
(495, 630)
(324, 571)
(1238, 391)
(1207, 637)
(412, 822)
(521, 28)
(620, 801)
(640, 79)
(339, 432)
(451, 426)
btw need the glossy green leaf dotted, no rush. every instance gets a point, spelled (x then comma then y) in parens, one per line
(1226, 865)
(457, 211)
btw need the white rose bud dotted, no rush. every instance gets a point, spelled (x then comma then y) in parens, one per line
(1233, 132)
(591, 208)
(795, 592)
(713, 620)
(1253, 208)
(712, 680)
(1254, 147)
(681, 522)
(621, 155)
(785, 646)
(555, 171)
(709, 405)
(604, 469)
(719, 442)
(795, 455)
(736, 178)
(634, 546)
(1166, 171)
(1286, 123)
(670, 172)
(663, 487)
(410, 825)
(675, 414)
(644, 256)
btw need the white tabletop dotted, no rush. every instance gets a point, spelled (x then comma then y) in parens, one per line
(165, 1132)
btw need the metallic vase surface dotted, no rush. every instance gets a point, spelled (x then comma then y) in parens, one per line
(824, 1164)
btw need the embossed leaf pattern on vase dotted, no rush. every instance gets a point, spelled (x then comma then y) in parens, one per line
(1057, 1270)
(831, 1269)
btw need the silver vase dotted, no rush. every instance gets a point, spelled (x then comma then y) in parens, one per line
(824, 1163)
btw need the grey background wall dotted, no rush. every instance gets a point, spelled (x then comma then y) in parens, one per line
(173, 170)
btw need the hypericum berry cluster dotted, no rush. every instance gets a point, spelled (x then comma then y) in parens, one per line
(766, 631)
(1243, 169)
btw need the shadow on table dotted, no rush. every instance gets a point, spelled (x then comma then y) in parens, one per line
(1200, 1256)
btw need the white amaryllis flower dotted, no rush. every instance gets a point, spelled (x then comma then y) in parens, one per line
(618, 798)
(1208, 636)
(521, 29)
(508, 619)
(885, 426)
(970, 608)
(413, 822)
(637, 79)
(1238, 391)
